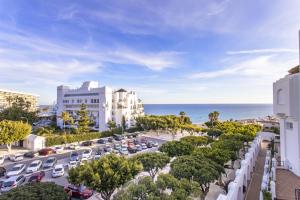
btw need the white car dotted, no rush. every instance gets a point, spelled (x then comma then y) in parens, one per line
(124, 151)
(144, 146)
(74, 147)
(16, 170)
(58, 171)
(83, 161)
(16, 157)
(2, 158)
(87, 153)
(58, 149)
(72, 164)
(34, 166)
(12, 182)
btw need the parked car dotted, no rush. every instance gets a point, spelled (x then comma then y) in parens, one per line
(16, 157)
(74, 156)
(110, 139)
(149, 144)
(50, 162)
(155, 144)
(12, 182)
(143, 140)
(87, 143)
(135, 142)
(58, 149)
(83, 161)
(16, 170)
(138, 147)
(34, 166)
(144, 146)
(46, 151)
(79, 192)
(74, 147)
(31, 154)
(118, 137)
(2, 171)
(2, 158)
(87, 153)
(98, 154)
(130, 144)
(36, 177)
(132, 149)
(117, 146)
(58, 171)
(123, 151)
(102, 141)
(72, 164)
(107, 149)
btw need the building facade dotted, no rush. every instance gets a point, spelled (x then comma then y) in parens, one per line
(103, 104)
(286, 103)
(7, 98)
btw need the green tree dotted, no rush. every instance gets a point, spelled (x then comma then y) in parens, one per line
(176, 148)
(13, 131)
(195, 140)
(152, 162)
(36, 191)
(106, 174)
(84, 120)
(213, 132)
(111, 125)
(213, 117)
(65, 116)
(196, 168)
(123, 123)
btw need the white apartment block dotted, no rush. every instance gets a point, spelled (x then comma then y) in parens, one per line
(103, 104)
(7, 98)
(286, 103)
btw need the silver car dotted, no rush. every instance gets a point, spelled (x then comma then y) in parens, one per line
(50, 162)
(12, 182)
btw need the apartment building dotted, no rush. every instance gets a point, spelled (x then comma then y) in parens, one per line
(103, 104)
(7, 97)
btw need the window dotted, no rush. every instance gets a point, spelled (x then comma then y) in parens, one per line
(289, 125)
(280, 97)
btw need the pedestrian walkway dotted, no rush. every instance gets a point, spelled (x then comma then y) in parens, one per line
(257, 175)
(286, 184)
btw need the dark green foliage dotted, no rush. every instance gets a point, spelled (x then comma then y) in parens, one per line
(84, 120)
(195, 140)
(176, 148)
(36, 191)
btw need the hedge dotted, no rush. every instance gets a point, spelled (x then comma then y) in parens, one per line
(70, 138)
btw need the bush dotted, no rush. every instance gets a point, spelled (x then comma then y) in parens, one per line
(36, 191)
(70, 138)
(134, 129)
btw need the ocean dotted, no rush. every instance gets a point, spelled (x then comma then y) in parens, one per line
(199, 112)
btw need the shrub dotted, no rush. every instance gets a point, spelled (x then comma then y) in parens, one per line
(70, 138)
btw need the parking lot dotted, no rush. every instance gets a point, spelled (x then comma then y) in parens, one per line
(64, 157)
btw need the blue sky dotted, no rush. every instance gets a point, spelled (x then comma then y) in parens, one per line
(217, 51)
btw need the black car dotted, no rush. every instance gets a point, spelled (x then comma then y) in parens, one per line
(132, 149)
(2, 171)
(108, 149)
(110, 139)
(102, 141)
(118, 138)
(135, 141)
(149, 144)
(31, 154)
(87, 143)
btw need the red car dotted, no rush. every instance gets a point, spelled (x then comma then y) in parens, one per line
(46, 152)
(80, 192)
(36, 177)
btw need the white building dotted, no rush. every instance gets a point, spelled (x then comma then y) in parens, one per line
(103, 104)
(286, 103)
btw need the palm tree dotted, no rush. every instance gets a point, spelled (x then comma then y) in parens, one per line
(9, 99)
(213, 117)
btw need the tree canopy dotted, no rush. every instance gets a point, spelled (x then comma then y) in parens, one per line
(152, 162)
(84, 120)
(176, 148)
(36, 191)
(106, 174)
(13, 131)
(195, 140)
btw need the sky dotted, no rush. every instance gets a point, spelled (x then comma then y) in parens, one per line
(171, 51)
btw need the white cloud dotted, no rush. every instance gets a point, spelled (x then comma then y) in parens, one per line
(267, 51)
(262, 66)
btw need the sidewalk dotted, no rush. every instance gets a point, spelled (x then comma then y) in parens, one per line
(256, 180)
